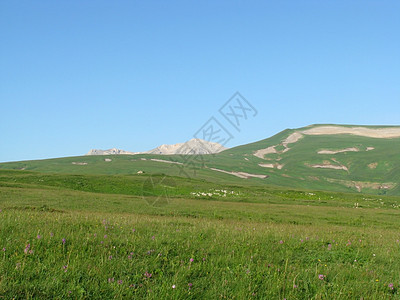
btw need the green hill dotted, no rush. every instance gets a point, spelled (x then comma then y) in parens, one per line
(341, 158)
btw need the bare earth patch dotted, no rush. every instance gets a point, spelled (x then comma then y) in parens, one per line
(373, 165)
(272, 166)
(241, 174)
(359, 185)
(166, 161)
(380, 133)
(330, 167)
(293, 138)
(353, 149)
(262, 152)
(80, 163)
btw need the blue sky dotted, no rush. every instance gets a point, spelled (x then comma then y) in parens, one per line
(76, 75)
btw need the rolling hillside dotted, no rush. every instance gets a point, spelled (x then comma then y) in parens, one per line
(318, 157)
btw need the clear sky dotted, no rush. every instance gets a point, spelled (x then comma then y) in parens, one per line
(76, 75)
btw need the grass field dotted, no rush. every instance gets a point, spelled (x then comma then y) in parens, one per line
(97, 236)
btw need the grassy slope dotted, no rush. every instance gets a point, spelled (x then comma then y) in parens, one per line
(256, 243)
(295, 174)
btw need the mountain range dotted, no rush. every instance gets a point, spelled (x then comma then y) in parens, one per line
(327, 157)
(191, 147)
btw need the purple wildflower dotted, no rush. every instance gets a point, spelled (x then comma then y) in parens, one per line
(111, 279)
(321, 277)
(119, 281)
(65, 268)
(191, 260)
(281, 242)
(4, 249)
(27, 247)
(39, 236)
(63, 241)
(391, 286)
(147, 274)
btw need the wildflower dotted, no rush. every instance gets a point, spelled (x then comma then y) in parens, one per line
(63, 241)
(39, 236)
(294, 286)
(153, 237)
(110, 257)
(173, 286)
(133, 230)
(190, 285)
(119, 281)
(105, 236)
(65, 268)
(111, 279)
(51, 234)
(204, 259)
(191, 260)
(391, 286)
(4, 249)
(321, 277)
(27, 247)
(147, 274)
(329, 246)
(280, 242)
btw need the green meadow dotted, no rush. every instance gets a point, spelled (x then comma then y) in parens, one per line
(168, 237)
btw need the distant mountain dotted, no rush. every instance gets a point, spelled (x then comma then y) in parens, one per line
(109, 151)
(194, 146)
